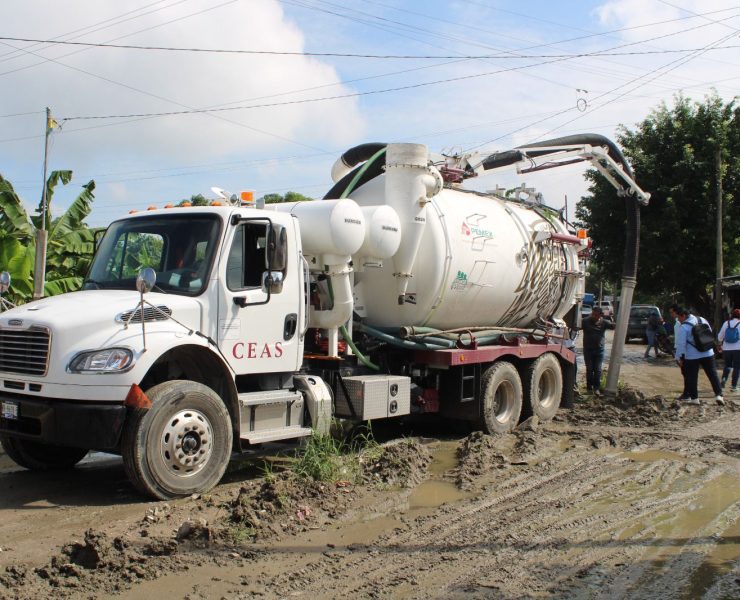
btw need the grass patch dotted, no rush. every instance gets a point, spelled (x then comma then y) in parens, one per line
(327, 458)
(240, 532)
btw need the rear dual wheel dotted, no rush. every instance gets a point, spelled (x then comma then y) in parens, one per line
(543, 387)
(501, 402)
(505, 398)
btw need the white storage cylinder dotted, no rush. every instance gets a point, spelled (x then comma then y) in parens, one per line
(382, 232)
(328, 228)
(477, 265)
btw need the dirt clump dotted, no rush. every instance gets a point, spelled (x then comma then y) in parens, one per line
(632, 408)
(400, 464)
(96, 564)
(478, 454)
(284, 504)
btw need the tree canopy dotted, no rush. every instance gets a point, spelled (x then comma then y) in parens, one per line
(288, 197)
(673, 153)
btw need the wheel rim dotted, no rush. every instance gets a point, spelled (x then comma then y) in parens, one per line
(503, 402)
(186, 443)
(547, 389)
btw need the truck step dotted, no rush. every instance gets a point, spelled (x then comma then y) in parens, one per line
(271, 435)
(269, 397)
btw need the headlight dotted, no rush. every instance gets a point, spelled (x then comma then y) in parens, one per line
(110, 360)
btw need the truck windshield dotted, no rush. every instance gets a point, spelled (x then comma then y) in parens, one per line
(179, 248)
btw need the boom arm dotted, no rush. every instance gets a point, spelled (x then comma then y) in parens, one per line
(601, 152)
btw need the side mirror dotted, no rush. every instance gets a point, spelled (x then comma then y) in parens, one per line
(4, 282)
(272, 282)
(278, 249)
(97, 236)
(146, 280)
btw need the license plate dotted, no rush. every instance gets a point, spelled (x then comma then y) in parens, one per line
(10, 410)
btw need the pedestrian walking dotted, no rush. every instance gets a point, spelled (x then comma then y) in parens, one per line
(673, 310)
(691, 357)
(729, 337)
(651, 332)
(594, 329)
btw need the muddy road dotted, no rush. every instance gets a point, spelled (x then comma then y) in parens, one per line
(637, 497)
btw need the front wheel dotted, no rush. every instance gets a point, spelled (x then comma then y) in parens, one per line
(41, 457)
(501, 403)
(181, 445)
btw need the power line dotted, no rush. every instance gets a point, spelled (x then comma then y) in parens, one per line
(357, 94)
(676, 64)
(23, 114)
(130, 34)
(118, 20)
(507, 55)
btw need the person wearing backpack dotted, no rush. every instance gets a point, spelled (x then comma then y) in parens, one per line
(729, 336)
(694, 350)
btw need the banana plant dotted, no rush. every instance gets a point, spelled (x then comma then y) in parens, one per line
(70, 241)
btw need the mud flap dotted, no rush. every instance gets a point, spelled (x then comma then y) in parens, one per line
(569, 383)
(318, 401)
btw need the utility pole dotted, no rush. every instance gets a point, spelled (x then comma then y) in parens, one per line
(720, 265)
(39, 271)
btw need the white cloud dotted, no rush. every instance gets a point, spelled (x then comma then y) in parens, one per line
(102, 81)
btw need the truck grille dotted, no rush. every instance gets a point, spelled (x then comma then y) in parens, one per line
(24, 351)
(149, 315)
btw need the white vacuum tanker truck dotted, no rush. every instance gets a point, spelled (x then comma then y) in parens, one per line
(203, 331)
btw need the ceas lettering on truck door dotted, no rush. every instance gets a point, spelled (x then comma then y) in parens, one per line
(246, 350)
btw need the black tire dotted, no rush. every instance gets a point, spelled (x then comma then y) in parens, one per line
(41, 457)
(543, 387)
(181, 445)
(501, 401)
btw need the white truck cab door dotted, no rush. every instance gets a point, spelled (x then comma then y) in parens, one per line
(259, 329)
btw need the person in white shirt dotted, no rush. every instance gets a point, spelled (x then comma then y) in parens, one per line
(731, 349)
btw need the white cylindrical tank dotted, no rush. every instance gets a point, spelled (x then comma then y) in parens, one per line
(382, 232)
(478, 264)
(332, 228)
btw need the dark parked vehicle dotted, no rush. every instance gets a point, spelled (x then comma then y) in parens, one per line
(637, 324)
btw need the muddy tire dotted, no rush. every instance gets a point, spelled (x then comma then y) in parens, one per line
(543, 387)
(41, 457)
(501, 401)
(181, 445)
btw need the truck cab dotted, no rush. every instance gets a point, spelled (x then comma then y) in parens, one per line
(226, 316)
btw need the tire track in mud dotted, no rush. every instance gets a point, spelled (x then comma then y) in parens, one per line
(568, 526)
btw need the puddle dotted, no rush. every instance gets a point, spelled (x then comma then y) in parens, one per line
(437, 490)
(341, 535)
(696, 530)
(434, 493)
(653, 455)
(718, 562)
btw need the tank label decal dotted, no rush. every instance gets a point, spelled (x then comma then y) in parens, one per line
(474, 229)
(460, 282)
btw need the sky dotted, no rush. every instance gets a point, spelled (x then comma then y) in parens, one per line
(307, 79)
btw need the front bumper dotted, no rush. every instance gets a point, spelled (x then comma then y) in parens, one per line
(90, 425)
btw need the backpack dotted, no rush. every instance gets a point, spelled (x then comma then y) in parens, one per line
(702, 336)
(731, 333)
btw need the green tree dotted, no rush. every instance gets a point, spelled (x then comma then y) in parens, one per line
(288, 197)
(70, 242)
(195, 200)
(673, 155)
